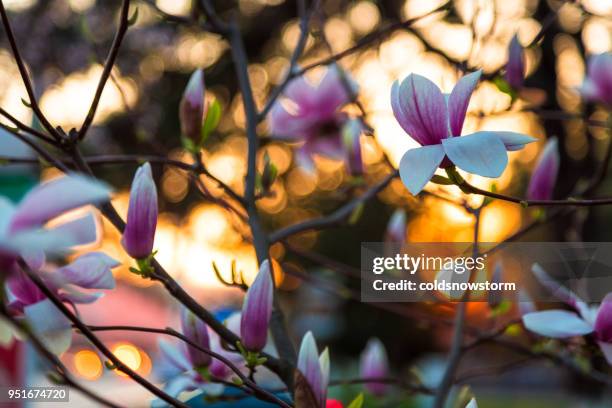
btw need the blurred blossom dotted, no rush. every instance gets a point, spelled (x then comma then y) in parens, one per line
(351, 139)
(515, 69)
(374, 365)
(396, 228)
(314, 368)
(192, 109)
(583, 320)
(197, 331)
(472, 404)
(332, 403)
(21, 226)
(310, 114)
(139, 233)
(435, 121)
(89, 271)
(544, 177)
(598, 84)
(257, 309)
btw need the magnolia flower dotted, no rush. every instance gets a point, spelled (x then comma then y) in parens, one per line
(177, 368)
(139, 231)
(396, 228)
(310, 114)
(351, 140)
(436, 121)
(374, 365)
(314, 368)
(584, 320)
(192, 109)
(257, 310)
(598, 84)
(197, 331)
(544, 176)
(515, 69)
(89, 271)
(21, 226)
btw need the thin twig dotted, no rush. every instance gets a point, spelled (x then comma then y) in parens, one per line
(82, 327)
(108, 67)
(23, 71)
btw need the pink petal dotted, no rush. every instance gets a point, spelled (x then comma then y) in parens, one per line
(481, 153)
(417, 166)
(420, 108)
(58, 195)
(91, 271)
(459, 100)
(515, 69)
(82, 231)
(50, 324)
(556, 324)
(544, 176)
(257, 310)
(603, 321)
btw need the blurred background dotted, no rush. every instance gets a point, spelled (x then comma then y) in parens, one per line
(65, 41)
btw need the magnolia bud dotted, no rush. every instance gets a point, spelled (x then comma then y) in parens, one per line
(191, 110)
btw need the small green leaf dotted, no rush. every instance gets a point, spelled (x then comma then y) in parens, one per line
(213, 116)
(189, 145)
(356, 214)
(26, 103)
(237, 381)
(357, 402)
(132, 20)
(108, 364)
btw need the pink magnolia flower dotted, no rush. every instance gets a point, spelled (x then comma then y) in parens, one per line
(584, 320)
(89, 271)
(515, 69)
(139, 233)
(598, 84)
(197, 331)
(257, 310)
(22, 231)
(544, 176)
(314, 367)
(311, 114)
(374, 365)
(192, 109)
(436, 121)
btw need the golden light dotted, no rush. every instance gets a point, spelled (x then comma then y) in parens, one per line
(87, 364)
(338, 33)
(364, 17)
(133, 357)
(178, 7)
(67, 103)
(80, 6)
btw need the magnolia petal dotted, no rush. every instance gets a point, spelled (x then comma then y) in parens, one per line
(81, 231)
(22, 290)
(6, 333)
(556, 324)
(420, 109)
(139, 234)
(7, 209)
(173, 360)
(459, 99)
(481, 153)
(515, 69)
(331, 93)
(92, 271)
(71, 294)
(417, 166)
(32, 242)
(606, 349)
(472, 404)
(308, 364)
(324, 365)
(603, 321)
(179, 384)
(257, 310)
(544, 176)
(514, 141)
(58, 195)
(50, 324)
